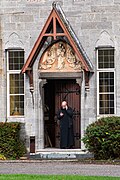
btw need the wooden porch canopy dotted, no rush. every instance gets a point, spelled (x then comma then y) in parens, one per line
(57, 27)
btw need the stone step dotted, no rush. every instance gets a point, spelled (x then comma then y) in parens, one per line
(61, 154)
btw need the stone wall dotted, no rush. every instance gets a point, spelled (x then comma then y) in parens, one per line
(2, 80)
(21, 24)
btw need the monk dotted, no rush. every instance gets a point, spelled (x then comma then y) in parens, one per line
(65, 116)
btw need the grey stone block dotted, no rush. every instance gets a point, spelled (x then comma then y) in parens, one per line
(96, 25)
(107, 2)
(22, 18)
(9, 26)
(116, 2)
(85, 156)
(97, 9)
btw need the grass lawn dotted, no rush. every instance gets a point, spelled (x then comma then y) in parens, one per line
(54, 177)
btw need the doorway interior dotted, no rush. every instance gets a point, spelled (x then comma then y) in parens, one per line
(55, 91)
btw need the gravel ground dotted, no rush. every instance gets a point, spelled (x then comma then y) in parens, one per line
(58, 167)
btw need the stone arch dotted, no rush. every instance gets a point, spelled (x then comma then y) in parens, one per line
(14, 41)
(104, 40)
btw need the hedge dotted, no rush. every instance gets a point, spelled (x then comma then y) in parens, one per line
(11, 146)
(103, 138)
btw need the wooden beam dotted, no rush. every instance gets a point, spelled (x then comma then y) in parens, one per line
(54, 27)
(57, 34)
(37, 42)
(54, 16)
(72, 42)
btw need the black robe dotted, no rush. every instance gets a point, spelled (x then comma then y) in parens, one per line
(66, 128)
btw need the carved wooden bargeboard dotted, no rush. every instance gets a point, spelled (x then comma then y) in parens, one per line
(60, 57)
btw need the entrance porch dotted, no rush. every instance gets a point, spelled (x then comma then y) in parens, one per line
(57, 54)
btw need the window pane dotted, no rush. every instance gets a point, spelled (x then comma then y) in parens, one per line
(106, 58)
(59, 28)
(106, 82)
(16, 105)
(106, 103)
(106, 92)
(16, 84)
(15, 60)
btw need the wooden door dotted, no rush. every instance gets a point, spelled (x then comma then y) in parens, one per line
(68, 90)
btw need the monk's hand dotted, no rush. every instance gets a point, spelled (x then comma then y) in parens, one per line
(61, 114)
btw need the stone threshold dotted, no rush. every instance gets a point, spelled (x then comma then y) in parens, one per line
(57, 150)
(54, 153)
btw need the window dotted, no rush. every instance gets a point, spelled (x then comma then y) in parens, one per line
(106, 81)
(15, 83)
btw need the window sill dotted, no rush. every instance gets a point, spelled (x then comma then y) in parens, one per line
(16, 117)
(105, 115)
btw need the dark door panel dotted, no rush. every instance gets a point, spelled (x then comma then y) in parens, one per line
(68, 90)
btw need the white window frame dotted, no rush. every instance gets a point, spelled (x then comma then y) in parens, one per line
(105, 70)
(8, 84)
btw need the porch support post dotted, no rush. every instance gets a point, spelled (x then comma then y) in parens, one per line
(40, 124)
(83, 110)
(79, 82)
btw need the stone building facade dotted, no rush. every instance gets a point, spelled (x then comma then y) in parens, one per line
(97, 27)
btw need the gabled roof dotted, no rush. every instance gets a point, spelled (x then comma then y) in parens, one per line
(57, 17)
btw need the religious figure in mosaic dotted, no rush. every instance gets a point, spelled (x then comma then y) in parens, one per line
(49, 59)
(72, 60)
(61, 51)
(60, 56)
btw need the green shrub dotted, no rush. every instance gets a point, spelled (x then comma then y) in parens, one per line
(2, 157)
(10, 143)
(103, 138)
